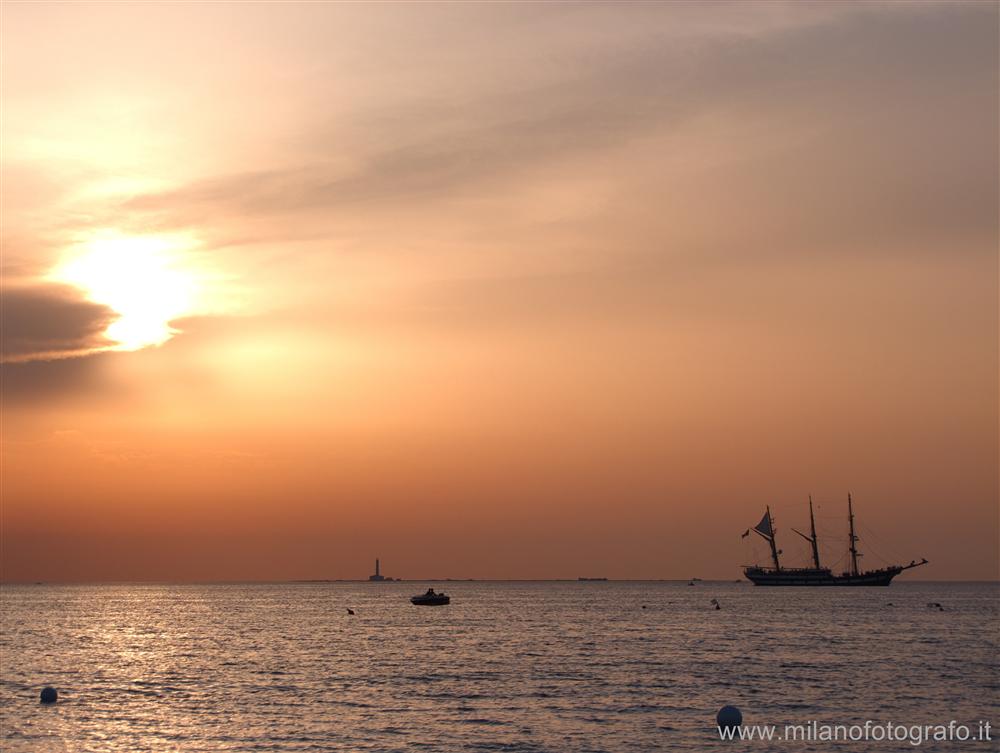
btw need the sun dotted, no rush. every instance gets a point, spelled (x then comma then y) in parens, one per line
(147, 280)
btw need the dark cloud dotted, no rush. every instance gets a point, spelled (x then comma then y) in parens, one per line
(28, 383)
(48, 322)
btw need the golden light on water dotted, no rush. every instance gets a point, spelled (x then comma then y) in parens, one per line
(147, 280)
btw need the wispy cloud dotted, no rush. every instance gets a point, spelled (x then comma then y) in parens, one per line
(843, 124)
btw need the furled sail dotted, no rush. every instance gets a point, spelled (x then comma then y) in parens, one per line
(764, 526)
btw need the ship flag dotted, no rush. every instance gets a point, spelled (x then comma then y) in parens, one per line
(764, 526)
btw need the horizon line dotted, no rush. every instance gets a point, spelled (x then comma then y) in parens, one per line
(308, 581)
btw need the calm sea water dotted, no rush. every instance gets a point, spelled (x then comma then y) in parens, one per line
(507, 667)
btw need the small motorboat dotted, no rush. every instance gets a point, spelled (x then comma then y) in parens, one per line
(430, 599)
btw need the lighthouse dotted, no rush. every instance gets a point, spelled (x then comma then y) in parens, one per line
(378, 574)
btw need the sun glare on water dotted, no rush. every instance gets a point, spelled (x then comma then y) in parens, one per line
(143, 279)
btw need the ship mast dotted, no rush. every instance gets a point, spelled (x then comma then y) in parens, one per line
(853, 539)
(812, 527)
(811, 539)
(774, 547)
(765, 529)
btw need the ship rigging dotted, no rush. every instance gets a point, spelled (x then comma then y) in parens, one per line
(817, 575)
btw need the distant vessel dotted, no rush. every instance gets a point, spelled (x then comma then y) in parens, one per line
(430, 599)
(591, 579)
(378, 574)
(817, 575)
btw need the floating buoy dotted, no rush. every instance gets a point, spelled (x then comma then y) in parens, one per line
(49, 695)
(716, 602)
(729, 717)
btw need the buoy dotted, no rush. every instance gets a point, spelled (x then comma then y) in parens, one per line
(49, 695)
(729, 717)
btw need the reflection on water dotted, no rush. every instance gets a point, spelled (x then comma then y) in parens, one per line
(508, 666)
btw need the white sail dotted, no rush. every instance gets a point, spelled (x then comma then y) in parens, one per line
(764, 526)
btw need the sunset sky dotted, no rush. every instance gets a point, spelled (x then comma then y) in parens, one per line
(496, 290)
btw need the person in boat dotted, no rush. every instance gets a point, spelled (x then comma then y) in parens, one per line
(430, 592)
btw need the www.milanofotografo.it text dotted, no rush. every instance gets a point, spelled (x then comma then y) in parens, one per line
(868, 731)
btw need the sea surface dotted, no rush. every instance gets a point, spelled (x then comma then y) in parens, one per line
(542, 666)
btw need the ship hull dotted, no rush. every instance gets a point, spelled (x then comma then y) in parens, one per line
(760, 576)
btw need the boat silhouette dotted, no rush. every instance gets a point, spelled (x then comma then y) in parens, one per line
(430, 599)
(817, 575)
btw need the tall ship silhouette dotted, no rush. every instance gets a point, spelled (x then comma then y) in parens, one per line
(817, 575)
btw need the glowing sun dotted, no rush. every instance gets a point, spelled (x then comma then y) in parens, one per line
(143, 279)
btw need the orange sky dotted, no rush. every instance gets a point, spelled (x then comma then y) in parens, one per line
(495, 290)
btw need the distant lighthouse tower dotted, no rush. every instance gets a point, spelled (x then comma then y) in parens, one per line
(378, 574)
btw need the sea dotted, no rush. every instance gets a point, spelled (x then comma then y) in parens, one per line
(565, 667)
